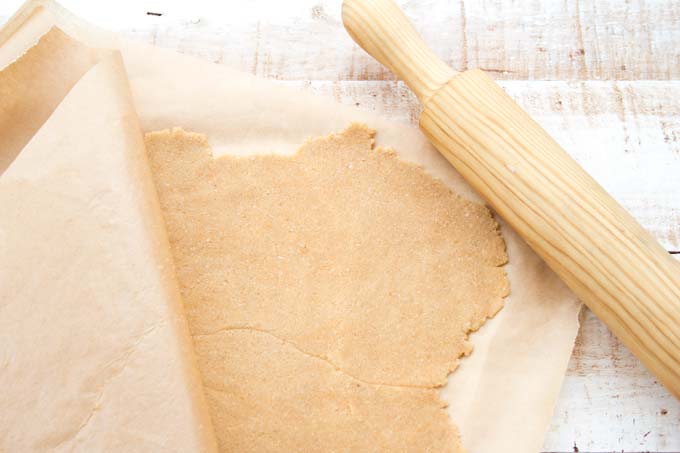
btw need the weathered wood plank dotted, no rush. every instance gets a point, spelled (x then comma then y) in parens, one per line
(574, 39)
(626, 134)
(609, 402)
(514, 39)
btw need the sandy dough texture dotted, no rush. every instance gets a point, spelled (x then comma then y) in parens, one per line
(329, 293)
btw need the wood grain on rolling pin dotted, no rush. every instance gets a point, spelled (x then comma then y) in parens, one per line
(595, 246)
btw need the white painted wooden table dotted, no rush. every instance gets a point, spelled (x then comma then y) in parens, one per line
(603, 76)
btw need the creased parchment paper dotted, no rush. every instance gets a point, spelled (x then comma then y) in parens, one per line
(501, 397)
(95, 353)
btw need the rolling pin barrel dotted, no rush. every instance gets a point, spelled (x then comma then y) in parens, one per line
(615, 267)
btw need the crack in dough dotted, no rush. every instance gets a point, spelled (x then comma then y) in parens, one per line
(302, 351)
(271, 397)
(342, 253)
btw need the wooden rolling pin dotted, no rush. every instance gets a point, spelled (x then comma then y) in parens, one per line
(617, 268)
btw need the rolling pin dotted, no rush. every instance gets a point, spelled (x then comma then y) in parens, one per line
(597, 248)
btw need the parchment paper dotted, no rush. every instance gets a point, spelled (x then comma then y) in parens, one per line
(95, 353)
(502, 396)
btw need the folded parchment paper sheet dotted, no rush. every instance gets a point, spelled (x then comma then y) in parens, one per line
(95, 353)
(502, 396)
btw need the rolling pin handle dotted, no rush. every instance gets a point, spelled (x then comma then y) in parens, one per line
(382, 30)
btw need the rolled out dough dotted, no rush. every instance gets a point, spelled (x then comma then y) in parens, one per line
(329, 293)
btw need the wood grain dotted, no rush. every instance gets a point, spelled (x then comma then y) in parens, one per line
(609, 401)
(594, 245)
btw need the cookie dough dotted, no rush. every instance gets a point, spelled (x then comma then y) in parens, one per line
(329, 293)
